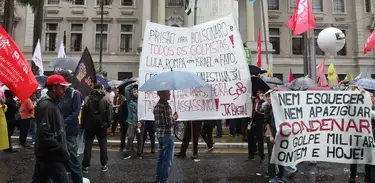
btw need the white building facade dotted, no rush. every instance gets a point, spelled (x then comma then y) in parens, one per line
(124, 22)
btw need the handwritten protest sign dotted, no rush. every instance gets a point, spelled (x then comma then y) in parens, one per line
(213, 51)
(330, 126)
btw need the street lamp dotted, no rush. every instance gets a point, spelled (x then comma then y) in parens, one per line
(101, 34)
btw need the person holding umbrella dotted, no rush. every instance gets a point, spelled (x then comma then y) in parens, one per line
(164, 120)
(135, 128)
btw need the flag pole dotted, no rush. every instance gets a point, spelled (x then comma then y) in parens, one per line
(311, 38)
(264, 32)
(195, 12)
(306, 45)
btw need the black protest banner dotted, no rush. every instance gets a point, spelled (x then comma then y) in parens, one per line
(330, 126)
(84, 75)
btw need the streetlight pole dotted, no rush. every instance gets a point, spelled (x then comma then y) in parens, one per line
(101, 34)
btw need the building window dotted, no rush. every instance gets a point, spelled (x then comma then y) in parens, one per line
(105, 37)
(124, 75)
(78, 2)
(105, 2)
(127, 3)
(338, 6)
(292, 4)
(51, 37)
(297, 45)
(53, 1)
(316, 5)
(318, 51)
(368, 6)
(126, 38)
(76, 32)
(298, 76)
(277, 75)
(343, 51)
(275, 39)
(273, 4)
(175, 3)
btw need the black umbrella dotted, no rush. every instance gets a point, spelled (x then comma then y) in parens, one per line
(125, 83)
(64, 63)
(254, 70)
(258, 83)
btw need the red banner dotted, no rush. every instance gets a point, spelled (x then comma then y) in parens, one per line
(15, 71)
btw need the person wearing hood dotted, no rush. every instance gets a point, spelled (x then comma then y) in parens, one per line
(135, 127)
(51, 151)
(96, 118)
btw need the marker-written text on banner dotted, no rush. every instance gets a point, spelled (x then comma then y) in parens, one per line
(212, 51)
(322, 126)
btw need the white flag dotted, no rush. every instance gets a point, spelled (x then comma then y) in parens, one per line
(61, 53)
(37, 58)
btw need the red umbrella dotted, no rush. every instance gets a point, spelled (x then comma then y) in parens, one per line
(319, 88)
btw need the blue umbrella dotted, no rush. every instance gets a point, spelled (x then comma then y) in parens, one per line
(102, 81)
(364, 83)
(173, 80)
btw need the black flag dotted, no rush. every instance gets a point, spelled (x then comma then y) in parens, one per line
(187, 7)
(84, 75)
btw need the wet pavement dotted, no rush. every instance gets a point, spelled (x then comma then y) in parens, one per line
(212, 168)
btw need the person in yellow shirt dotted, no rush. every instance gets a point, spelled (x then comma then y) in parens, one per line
(4, 143)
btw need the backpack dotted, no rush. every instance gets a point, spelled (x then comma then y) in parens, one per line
(94, 109)
(79, 115)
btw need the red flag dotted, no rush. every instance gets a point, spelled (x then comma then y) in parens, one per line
(291, 77)
(15, 71)
(259, 48)
(370, 43)
(302, 19)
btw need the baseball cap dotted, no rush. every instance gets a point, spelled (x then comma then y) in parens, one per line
(56, 80)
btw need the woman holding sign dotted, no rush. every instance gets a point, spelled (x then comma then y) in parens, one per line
(269, 120)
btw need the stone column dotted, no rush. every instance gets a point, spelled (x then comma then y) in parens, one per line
(161, 12)
(250, 21)
(146, 14)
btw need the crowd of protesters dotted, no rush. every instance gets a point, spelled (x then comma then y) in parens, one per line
(57, 115)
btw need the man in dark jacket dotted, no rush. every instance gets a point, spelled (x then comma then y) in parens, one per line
(70, 106)
(50, 147)
(96, 118)
(256, 131)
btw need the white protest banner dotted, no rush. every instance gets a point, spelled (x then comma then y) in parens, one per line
(214, 51)
(332, 126)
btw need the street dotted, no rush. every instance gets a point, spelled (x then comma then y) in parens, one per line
(212, 168)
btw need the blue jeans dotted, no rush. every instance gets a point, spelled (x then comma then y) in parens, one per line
(165, 158)
(74, 162)
(219, 129)
(49, 170)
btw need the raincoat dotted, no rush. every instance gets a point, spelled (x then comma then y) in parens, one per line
(4, 142)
